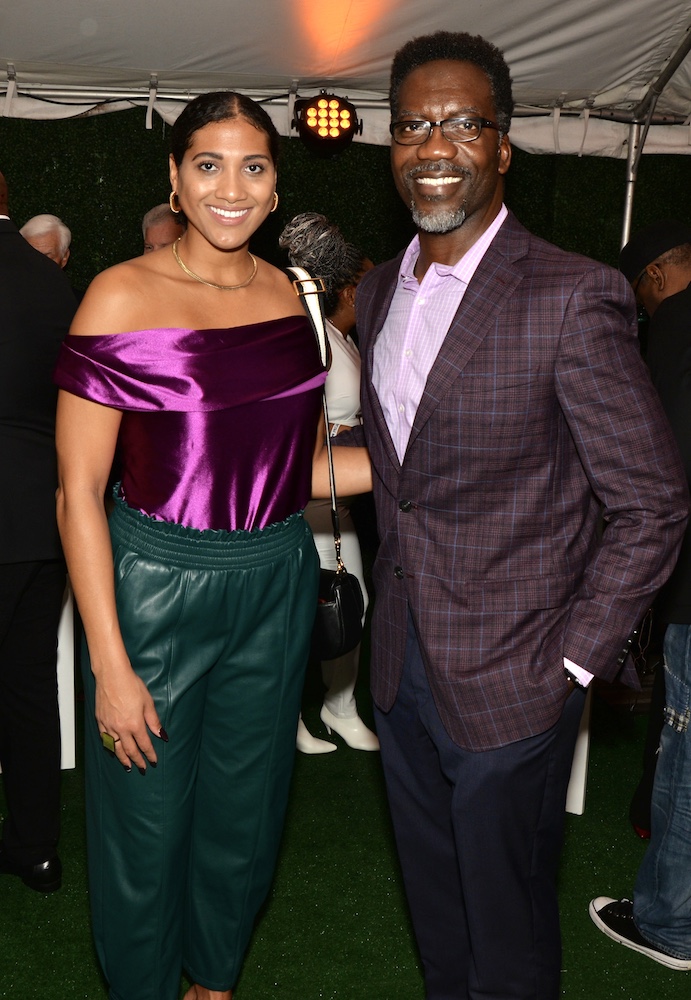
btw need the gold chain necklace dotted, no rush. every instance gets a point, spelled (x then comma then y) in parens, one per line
(212, 284)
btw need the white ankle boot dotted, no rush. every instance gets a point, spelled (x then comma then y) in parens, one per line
(307, 743)
(353, 730)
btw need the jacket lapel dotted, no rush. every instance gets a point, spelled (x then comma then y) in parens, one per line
(491, 288)
(381, 292)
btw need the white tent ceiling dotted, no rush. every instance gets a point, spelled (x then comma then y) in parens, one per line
(580, 67)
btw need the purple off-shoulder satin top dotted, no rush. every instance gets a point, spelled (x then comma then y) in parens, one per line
(218, 426)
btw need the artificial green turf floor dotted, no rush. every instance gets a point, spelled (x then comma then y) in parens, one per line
(335, 926)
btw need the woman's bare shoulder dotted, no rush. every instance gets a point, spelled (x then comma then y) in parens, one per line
(150, 291)
(278, 293)
(118, 298)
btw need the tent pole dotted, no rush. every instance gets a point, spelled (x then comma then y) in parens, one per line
(632, 160)
(645, 110)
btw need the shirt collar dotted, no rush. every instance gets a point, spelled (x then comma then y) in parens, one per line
(464, 268)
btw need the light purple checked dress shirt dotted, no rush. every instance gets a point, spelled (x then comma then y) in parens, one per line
(417, 323)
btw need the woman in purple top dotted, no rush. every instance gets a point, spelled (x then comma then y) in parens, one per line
(197, 594)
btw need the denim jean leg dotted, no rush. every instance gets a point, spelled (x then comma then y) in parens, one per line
(662, 897)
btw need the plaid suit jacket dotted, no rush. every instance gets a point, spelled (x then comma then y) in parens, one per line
(538, 415)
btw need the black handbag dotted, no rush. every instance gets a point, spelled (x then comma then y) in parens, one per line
(340, 605)
(338, 620)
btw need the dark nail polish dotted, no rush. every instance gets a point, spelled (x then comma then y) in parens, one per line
(163, 734)
(142, 770)
(128, 769)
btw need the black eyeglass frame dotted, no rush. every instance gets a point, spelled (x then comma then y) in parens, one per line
(425, 134)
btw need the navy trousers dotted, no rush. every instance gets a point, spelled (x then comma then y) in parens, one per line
(479, 838)
(31, 597)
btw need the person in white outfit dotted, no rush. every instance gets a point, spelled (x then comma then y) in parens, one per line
(316, 244)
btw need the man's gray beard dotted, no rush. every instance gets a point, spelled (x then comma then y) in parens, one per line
(442, 221)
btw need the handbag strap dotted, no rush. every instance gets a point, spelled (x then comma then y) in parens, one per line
(311, 290)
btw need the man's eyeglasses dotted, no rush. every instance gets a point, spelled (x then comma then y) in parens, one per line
(414, 132)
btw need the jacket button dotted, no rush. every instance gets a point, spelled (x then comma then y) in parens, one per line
(405, 505)
(398, 572)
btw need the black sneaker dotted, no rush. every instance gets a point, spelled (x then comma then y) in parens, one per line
(614, 917)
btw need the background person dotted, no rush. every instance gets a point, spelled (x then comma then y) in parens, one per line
(505, 408)
(197, 596)
(317, 245)
(50, 236)
(657, 922)
(37, 307)
(161, 227)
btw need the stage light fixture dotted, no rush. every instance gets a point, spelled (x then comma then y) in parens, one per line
(326, 123)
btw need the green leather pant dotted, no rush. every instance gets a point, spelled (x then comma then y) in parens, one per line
(182, 857)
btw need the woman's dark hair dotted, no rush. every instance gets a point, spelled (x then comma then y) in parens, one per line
(460, 47)
(318, 245)
(221, 106)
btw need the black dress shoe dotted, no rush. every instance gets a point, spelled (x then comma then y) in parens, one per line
(46, 876)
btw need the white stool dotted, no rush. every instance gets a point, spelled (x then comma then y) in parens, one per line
(66, 661)
(575, 796)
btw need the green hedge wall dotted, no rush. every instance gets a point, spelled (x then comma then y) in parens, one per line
(101, 174)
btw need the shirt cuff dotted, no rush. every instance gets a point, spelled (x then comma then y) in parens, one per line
(584, 677)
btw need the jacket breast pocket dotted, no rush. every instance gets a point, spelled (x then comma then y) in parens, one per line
(513, 405)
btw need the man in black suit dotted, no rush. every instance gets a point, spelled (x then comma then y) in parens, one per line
(36, 308)
(657, 922)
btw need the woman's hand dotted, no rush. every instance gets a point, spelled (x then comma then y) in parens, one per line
(125, 710)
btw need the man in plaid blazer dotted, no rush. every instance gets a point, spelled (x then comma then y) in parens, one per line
(505, 408)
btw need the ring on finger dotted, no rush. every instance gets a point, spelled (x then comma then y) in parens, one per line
(109, 741)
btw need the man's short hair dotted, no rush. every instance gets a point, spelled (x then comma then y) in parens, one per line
(460, 47)
(680, 256)
(160, 213)
(42, 225)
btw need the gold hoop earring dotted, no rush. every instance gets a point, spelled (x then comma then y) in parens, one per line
(172, 200)
(275, 202)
